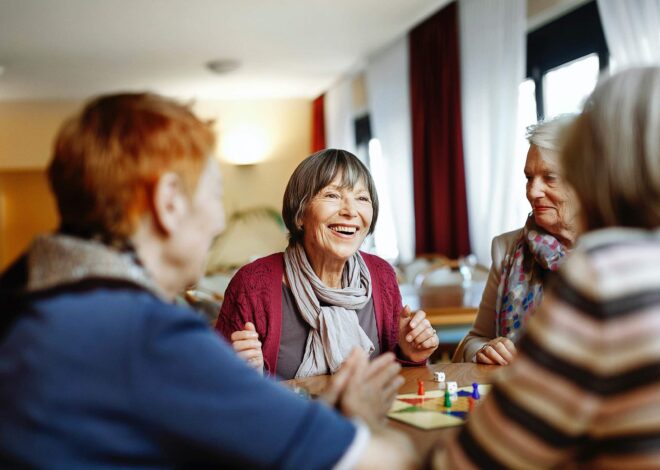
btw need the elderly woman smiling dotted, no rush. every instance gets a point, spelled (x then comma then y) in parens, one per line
(522, 258)
(301, 312)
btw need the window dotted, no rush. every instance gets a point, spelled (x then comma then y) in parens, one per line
(564, 59)
(567, 87)
(526, 117)
(383, 242)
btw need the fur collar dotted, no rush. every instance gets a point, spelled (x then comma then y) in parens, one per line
(59, 260)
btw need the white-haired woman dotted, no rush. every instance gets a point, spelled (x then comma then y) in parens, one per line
(523, 258)
(584, 391)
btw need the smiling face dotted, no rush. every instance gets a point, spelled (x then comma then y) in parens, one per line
(336, 221)
(550, 197)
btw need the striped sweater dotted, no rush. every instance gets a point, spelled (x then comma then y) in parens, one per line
(585, 388)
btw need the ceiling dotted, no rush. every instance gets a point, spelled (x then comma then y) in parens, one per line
(71, 49)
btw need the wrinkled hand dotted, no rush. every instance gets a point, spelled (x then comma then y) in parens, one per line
(365, 389)
(247, 345)
(498, 351)
(417, 338)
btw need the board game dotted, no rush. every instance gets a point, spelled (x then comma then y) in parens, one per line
(428, 411)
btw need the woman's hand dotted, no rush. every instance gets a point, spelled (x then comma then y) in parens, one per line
(417, 338)
(247, 345)
(498, 351)
(365, 389)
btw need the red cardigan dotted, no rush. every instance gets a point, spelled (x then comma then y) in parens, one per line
(255, 295)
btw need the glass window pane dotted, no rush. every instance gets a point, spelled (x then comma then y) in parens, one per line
(385, 242)
(566, 87)
(526, 104)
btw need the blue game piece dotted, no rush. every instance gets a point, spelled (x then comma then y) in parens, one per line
(475, 391)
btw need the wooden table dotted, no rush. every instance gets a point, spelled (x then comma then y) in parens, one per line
(465, 374)
(445, 305)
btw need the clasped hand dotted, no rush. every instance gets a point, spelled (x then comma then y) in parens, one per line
(247, 345)
(365, 389)
(417, 338)
(498, 351)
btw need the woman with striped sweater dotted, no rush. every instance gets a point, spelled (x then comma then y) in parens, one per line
(585, 388)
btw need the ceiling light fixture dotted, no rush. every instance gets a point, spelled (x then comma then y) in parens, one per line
(223, 66)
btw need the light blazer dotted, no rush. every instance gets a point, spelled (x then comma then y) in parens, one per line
(483, 329)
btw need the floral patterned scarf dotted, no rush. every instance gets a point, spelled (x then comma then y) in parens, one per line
(524, 267)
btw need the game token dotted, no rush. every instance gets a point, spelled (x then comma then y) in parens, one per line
(470, 404)
(475, 391)
(436, 409)
(420, 387)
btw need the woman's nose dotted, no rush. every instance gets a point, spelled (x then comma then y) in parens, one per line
(536, 189)
(348, 207)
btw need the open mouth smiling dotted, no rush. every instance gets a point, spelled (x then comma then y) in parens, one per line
(344, 230)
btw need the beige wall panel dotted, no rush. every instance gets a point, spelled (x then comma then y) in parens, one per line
(27, 208)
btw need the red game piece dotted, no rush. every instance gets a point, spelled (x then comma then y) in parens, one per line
(470, 404)
(420, 387)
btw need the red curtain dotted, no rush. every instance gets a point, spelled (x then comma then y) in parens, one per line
(318, 124)
(441, 220)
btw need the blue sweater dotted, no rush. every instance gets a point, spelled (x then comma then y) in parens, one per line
(110, 376)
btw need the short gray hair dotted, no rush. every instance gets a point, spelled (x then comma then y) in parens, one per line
(312, 175)
(612, 152)
(550, 134)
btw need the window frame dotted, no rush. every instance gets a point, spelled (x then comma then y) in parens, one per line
(570, 37)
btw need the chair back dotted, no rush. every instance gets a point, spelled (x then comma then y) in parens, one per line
(438, 273)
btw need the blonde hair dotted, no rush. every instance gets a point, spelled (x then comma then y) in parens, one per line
(612, 152)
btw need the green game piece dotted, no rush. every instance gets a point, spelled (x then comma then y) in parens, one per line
(447, 399)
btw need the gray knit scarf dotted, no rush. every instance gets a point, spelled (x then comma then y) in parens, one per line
(334, 327)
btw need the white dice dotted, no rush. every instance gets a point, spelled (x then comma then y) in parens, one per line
(439, 376)
(452, 387)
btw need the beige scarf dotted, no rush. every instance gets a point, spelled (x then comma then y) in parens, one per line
(335, 329)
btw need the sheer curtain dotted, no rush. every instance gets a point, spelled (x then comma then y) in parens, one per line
(389, 113)
(492, 42)
(632, 31)
(339, 119)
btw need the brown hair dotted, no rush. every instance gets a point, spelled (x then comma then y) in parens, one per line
(108, 158)
(612, 152)
(316, 172)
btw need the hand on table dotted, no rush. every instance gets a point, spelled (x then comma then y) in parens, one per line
(365, 389)
(498, 351)
(247, 345)
(417, 338)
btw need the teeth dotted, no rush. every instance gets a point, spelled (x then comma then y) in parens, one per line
(343, 228)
